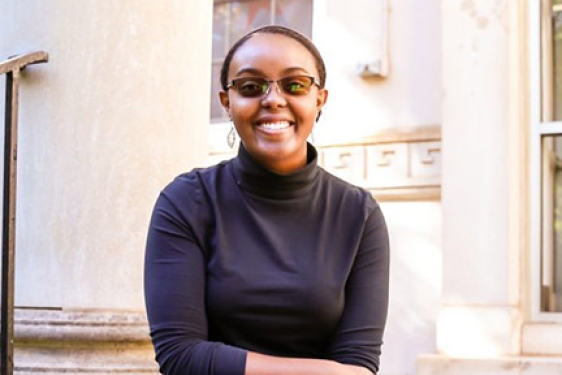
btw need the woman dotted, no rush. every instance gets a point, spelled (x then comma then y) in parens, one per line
(267, 264)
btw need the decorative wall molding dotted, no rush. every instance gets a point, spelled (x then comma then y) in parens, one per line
(426, 133)
(400, 164)
(50, 341)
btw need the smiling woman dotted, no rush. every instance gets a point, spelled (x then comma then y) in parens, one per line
(266, 263)
(275, 124)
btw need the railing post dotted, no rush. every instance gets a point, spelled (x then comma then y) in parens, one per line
(8, 223)
(12, 69)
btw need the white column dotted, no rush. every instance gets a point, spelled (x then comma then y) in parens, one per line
(117, 112)
(479, 312)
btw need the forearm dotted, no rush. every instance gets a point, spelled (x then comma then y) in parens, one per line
(259, 364)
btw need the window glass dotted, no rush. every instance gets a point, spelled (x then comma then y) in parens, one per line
(551, 269)
(292, 14)
(550, 132)
(219, 30)
(557, 58)
(217, 111)
(247, 16)
(556, 303)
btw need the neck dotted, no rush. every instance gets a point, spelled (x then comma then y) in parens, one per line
(284, 165)
(253, 175)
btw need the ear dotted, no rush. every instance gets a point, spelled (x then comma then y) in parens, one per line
(321, 98)
(225, 100)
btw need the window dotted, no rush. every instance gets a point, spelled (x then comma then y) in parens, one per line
(233, 19)
(547, 135)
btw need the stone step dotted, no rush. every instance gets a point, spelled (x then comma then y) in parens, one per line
(51, 341)
(444, 365)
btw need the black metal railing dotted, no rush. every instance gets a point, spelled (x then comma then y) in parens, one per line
(12, 68)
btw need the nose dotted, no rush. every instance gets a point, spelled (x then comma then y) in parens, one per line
(273, 97)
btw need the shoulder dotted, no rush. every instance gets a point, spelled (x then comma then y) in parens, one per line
(187, 191)
(350, 195)
(192, 182)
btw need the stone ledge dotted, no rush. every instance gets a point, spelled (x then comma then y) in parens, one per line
(542, 338)
(81, 371)
(93, 358)
(419, 193)
(80, 325)
(429, 133)
(516, 365)
(69, 342)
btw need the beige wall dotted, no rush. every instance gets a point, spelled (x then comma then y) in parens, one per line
(411, 93)
(103, 127)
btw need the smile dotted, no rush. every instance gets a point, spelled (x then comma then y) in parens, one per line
(280, 125)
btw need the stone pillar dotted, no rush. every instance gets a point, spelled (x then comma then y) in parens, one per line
(478, 314)
(119, 110)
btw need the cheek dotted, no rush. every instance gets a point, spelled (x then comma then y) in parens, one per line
(306, 111)
(243, 108)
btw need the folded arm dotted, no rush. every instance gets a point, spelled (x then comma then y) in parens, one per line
(258, 364)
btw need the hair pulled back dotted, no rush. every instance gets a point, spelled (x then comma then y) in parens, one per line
(274, 29)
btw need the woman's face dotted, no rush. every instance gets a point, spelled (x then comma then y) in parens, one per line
(274, 127)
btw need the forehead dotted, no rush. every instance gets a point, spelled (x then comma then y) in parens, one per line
(272, 54)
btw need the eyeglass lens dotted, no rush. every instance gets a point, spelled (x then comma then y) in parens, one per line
(252, 87)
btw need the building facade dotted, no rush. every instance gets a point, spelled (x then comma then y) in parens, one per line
(446, 110)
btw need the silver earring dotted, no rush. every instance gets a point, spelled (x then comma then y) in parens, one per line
(231, 137)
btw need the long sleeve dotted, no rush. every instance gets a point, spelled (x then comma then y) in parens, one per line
(358, 338)
(175, 290)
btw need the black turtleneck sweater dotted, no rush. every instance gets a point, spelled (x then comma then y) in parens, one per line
(239, 258)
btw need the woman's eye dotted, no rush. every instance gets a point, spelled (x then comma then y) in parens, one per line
(251, 87)
(295, 87)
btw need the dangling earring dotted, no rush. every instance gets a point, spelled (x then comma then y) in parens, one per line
(318, 115)
(231, 137)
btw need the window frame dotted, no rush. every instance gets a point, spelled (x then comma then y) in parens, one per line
(541, 95)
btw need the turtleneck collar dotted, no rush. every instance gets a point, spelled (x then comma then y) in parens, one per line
(252, 176)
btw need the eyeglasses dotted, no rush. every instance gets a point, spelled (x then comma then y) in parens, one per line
(256, 87)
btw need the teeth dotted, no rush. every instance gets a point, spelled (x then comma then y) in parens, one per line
(275, 125)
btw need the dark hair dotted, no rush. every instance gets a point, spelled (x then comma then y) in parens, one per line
(274, 29)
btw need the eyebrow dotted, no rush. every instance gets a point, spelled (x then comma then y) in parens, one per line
(258, 72)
